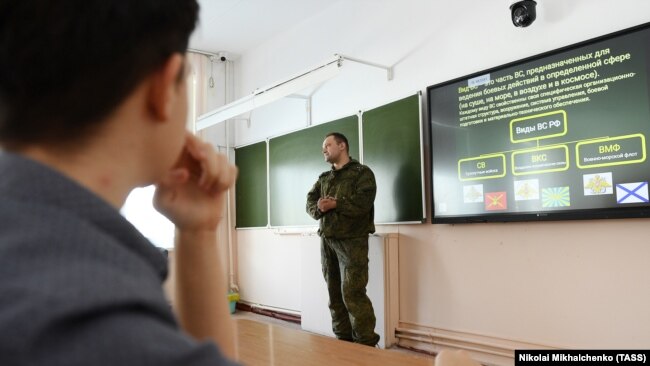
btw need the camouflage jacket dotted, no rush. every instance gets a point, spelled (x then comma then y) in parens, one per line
(354, 188)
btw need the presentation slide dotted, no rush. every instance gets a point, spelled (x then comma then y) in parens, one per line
(556, 136)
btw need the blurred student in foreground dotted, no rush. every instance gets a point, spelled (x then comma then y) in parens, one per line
(92, 105)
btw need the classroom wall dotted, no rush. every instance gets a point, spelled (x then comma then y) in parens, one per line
(571, 284)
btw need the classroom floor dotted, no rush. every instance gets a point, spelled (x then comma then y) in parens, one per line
(239, 314)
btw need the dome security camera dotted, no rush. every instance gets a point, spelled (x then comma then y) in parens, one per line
(523, 13)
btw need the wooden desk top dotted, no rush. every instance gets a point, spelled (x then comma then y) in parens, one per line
(275, 345)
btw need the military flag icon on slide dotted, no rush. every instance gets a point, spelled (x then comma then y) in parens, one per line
(596, 184)
(526, 190)
(556, 197)
(495, 201)
(632, 192)
(473, 193)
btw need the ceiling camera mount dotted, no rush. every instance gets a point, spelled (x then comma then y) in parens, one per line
(523, 12)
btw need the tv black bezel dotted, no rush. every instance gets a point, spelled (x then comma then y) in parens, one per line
(580, 214)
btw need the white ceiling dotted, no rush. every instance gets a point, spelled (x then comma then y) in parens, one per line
(234, 26)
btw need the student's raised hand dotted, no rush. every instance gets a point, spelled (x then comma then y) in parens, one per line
(192, 194)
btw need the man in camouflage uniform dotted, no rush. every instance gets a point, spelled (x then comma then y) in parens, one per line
(343, 199)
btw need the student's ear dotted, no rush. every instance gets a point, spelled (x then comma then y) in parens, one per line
(164, 86)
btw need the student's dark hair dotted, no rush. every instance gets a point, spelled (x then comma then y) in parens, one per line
(66, 65)
(339, 137)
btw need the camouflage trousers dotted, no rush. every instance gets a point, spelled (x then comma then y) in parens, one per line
(345, 268)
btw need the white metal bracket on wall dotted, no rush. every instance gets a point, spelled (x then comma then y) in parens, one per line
(287, 87)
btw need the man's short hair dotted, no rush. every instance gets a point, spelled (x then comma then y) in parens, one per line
(65, 66)
(339, 137)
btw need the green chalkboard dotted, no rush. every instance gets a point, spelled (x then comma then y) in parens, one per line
(295, 162)
(251, 188)
(392, 149)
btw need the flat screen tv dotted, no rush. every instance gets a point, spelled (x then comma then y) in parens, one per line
(561, 135)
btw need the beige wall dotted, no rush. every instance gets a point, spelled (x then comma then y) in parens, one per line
(567, 284)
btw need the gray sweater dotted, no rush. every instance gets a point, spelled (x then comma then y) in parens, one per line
(79, 285)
